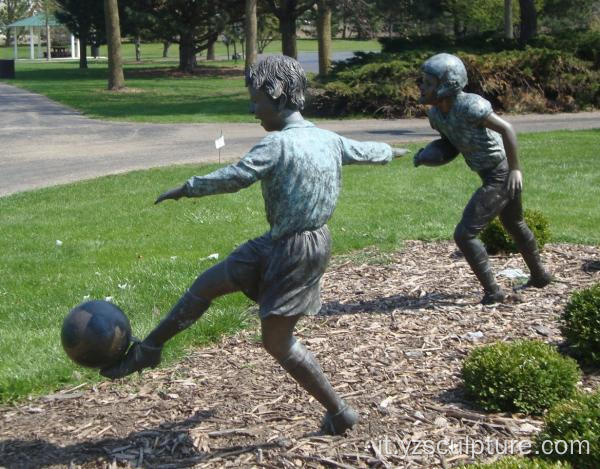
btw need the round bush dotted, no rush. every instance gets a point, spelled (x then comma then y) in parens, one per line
(576, 422)
(496, 239)
(513, 462)
(525, 376)
(581, 324)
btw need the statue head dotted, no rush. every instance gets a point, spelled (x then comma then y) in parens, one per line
(281, 78)
(450, 73)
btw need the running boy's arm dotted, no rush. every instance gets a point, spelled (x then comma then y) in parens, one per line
(355, 152)
(436, 153)
(252, 167)
(509, 139)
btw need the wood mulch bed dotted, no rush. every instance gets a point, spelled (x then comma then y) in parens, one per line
(392, 335)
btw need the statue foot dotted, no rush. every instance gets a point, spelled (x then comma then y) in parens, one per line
(138, 357)
(337, 424)
(490, 298)
(539, 281)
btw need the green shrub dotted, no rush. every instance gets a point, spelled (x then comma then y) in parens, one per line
(513, 462)
(525, 376)
(580, 324)
(496, 239)
(531, 80)
(574, 421)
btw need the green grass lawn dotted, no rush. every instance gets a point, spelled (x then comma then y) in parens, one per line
(116, 243)
(155, 50)
(154, 92)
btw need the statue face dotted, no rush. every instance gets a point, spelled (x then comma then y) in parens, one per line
(266, 110)
(428, 85)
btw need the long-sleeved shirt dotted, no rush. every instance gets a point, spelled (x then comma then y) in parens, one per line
(300, 172)
(481, 147)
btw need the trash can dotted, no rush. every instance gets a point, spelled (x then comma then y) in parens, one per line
(7, 68)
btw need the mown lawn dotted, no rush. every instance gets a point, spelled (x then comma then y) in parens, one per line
(116, 243)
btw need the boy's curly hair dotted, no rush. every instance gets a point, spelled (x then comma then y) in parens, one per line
(277, 75)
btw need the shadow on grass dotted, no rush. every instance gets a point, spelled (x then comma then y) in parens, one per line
(169, 445)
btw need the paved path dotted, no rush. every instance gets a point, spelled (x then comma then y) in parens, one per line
(43, 143)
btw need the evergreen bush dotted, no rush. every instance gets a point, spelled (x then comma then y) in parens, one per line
(580, 324)
(525, 376)
(573, 427)
(496, 239)
(513, 462)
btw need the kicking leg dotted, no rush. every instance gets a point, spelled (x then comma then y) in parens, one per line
(278, 339)
(211, 284)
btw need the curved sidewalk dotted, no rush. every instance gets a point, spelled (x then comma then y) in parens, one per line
(43, 143)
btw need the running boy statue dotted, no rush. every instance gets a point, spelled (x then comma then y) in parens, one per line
(468, 125)
(299, 166)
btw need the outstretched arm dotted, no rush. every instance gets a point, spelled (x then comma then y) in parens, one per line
(509, 139)
(355, 152)
(252, 167)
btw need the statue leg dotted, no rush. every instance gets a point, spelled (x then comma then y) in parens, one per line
(278, 339)
(512, 219)
(195, 301)
(484, 205)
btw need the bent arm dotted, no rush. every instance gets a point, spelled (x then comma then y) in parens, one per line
(437, 153)
(509, 138)
(355, 152)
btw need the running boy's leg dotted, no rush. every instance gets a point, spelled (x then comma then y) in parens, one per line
(512, 219)
(484, 205)
(279, 341)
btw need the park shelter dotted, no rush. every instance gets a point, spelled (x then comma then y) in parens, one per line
(38, 22)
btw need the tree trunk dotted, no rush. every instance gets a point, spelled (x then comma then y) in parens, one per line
(287, 27)
(251, 32)
(166, 45)
(48, 53)
(210, 50)
(508, 25)
(138, 49)
(116, 80)
(528, 21)
(83, 43)
(187, 53)
(324, 35)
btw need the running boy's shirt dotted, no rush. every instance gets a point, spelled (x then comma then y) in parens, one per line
(300, 172)
(481, 147)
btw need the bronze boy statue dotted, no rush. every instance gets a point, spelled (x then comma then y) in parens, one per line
(299, 166)
(488, 143)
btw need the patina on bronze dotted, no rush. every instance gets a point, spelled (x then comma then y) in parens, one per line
(468, 125)
(299, 166)
(96, 334)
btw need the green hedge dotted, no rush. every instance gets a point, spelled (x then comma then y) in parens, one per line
(496, 239)
(524, 376)
(513, 462)
(532, 80)
(574, 422)
(580, 324)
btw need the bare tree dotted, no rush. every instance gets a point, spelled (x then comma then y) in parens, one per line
(116, 80)
(251, 27)
(288, 11)
(324, 35)
(508, 25)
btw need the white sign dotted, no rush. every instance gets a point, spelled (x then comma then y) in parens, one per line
(220, 142)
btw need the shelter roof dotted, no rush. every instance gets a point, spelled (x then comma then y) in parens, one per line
(38, 21)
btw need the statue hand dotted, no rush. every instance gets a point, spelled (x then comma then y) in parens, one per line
(514, 184)
(398, 152)
(138, 357)
(174, 194)
(417, 158)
